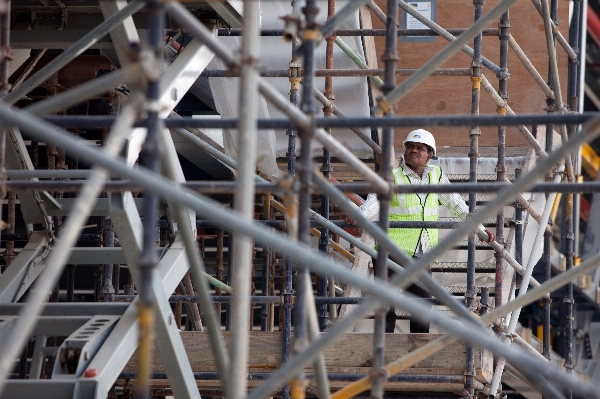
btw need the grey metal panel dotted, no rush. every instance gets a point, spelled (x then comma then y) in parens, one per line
(48, 389)
(52, 326)
(101, 207)
(182, 73)
(18, 158)
(80, 347)
(127, 223)
(59, 326)
(53, 39)
(5, 322)
(24, 269)
(37, 359)
(96, 256)
(123, 340)
(168, 340)
(69, 309)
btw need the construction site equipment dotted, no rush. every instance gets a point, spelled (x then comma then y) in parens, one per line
(214, 246)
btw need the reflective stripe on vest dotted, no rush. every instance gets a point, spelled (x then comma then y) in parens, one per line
(408, 207)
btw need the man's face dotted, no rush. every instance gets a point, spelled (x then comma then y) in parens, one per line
(416, 155)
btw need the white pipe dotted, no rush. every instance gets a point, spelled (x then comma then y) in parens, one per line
(535, 254)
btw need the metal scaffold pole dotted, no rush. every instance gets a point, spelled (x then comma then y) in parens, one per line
(244, 201)
(168, 219)
(323, 287)
(474, 133)
(150, 156)
(385, 319)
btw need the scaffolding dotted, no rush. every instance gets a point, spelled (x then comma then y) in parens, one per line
(105, 348)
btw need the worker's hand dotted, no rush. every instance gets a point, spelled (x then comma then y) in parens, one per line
(350, 221)
(491, 235)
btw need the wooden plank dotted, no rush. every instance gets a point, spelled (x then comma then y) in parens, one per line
(334, 385)
(351, 354)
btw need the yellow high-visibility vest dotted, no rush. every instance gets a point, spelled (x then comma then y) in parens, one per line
(408, 207)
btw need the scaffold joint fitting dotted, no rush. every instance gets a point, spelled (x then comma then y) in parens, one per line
(298, 388)
(295, 81)
(476, 81)
(378, 372)
(326, 168)
(385, 106)
(503, 74)
(470, 293)
(390, 56)
(501, 110)
(475, 132)
(505, 24)
(312, 35)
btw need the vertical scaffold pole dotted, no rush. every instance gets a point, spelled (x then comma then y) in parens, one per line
(572, 199)
(266, 270)
(326, 169)
(295, 68)
(4, 85)
(474, 134)
(311, 34)
(504, 26)
(382, 324)
(547, 300)
(150, 159)
(244, 200)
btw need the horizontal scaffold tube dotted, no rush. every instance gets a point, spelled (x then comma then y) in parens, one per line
(228, 187)
(362, 32)
(348, 122)
(380, 290)
(284, 73)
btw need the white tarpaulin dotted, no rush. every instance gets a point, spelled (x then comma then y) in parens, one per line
(351, 95)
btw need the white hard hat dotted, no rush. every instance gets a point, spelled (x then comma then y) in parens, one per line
(421, 136)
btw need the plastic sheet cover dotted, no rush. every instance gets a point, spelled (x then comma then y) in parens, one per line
(351, 95)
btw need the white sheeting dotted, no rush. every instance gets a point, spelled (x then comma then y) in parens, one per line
(351, 93)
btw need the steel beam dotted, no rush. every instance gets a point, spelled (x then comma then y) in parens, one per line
(182, 73)
(101, 208)
(17, 158)
(122, 342)
(124, 34)
(24, 269)
(73, 51)
(68, 309)
(321, 265)
(229, 10)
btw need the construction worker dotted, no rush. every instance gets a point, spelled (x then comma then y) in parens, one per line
(419, 149)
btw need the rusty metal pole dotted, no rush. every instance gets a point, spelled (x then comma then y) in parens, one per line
(474, 134)
(504, 25)
(326, 169)
(292, 155)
